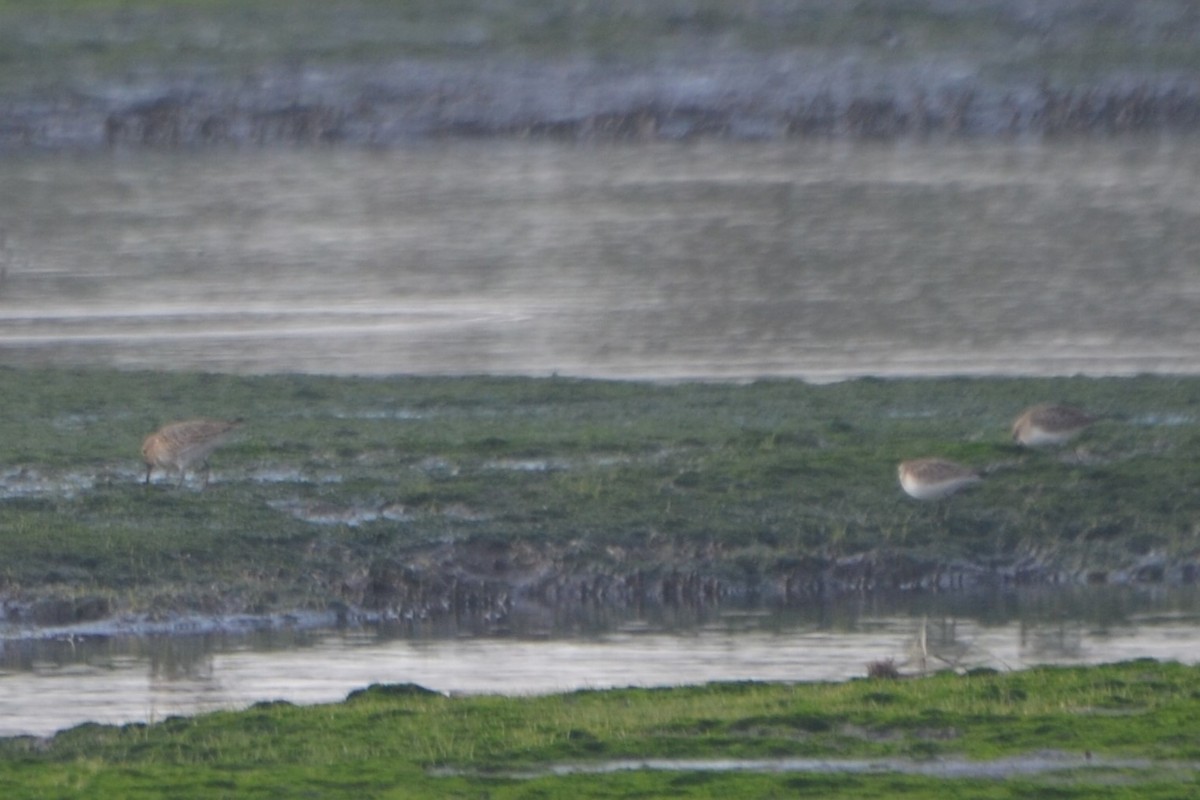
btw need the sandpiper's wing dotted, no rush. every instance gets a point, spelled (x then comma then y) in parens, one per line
(194, 439)
(1060, 418)
(939, 470)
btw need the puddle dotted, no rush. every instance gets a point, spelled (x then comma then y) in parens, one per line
(383, 413)
(33, 482)
(1035, 764)
(528, 464)
(320, 512)
(291, 475)
(439, 467)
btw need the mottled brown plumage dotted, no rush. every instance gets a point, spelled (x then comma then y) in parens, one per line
(180, 445)
(934, 478)
(1049, 424)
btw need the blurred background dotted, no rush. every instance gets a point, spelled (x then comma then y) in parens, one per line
(682, 189)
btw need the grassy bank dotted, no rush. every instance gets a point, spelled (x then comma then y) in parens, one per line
(407, 494)
(1121, 731)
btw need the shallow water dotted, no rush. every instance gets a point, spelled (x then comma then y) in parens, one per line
(713, 260)
(51, 679)
(940, 767)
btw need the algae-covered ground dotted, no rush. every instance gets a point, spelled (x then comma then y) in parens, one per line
(1122, 731)
(414, 496)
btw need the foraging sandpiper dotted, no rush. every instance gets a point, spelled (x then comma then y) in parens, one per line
(934, 478)
(1049, 424)
(179, 445)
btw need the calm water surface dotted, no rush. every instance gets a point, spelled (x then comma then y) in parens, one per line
(711, 260)
(57, 678)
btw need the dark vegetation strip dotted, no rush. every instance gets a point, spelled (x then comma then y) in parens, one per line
(415, 497)
(1121, 731)
(86, 73)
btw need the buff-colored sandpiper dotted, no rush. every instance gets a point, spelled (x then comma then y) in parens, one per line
(180, 445)
(935, 478)
(1049, 424)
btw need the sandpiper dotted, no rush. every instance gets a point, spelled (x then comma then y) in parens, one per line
(1048, 424)
(179, 445)
(934, 478)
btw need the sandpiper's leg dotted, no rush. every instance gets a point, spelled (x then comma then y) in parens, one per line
(149, 469)
(207, 472)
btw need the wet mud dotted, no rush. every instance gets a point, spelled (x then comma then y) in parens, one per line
(502, 584)
(500, 578)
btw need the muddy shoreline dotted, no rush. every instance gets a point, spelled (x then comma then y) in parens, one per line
(491, 584)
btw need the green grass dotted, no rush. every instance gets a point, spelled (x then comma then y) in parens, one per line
(337, 486)
(398, 741)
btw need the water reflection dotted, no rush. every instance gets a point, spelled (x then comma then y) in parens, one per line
(64, 678)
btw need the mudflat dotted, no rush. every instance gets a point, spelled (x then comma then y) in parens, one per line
(416, 496)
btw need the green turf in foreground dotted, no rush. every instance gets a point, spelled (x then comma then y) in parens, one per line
(404, 742)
